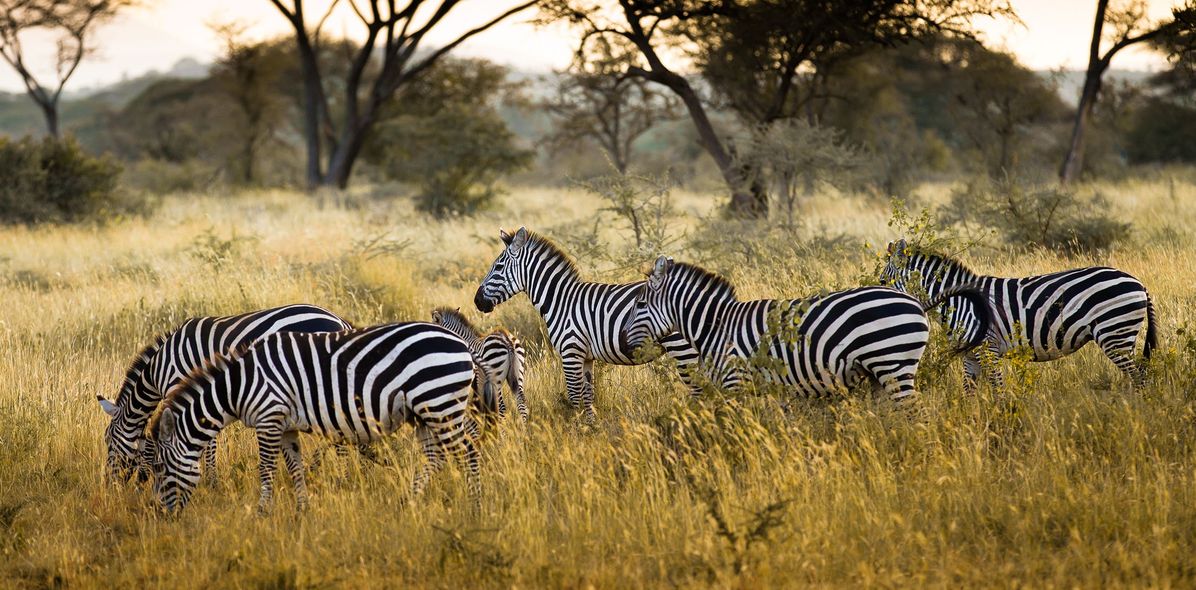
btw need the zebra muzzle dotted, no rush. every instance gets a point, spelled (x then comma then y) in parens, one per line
(483, 304)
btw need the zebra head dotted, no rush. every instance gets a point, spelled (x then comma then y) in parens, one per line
(125, 443)
(503, 281)
(175, 464)
(896, 271)
(649, 318)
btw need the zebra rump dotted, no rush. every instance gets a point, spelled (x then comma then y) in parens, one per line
(1051, 315)
(172, 356)
(355, 385)
(824, 343)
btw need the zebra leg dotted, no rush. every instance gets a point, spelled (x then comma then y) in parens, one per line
(575, 380)
(588, 395)
(896, 378)
(435, 458)
(294, 461)
(269, 437)
(209, 461)
(520, 400)
(466, 451)
(971, 371)
(515, 379)
(1120, 349)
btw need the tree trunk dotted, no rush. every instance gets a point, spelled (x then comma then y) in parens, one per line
(746, 201)
(340, 164)
(50, 112)
(311, 110)
(1074, 160)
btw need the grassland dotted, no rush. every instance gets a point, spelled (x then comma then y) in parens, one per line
(1065, 478)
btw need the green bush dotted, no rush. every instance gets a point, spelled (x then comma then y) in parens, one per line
(47, 180)
(1046, 215)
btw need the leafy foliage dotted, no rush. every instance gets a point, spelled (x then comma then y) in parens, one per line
(47, 180)
(449, 140)
(1047, 216)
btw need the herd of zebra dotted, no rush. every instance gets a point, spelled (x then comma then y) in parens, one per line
(300, 368)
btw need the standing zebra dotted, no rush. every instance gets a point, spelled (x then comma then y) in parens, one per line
(1054, 314)
(174, 355)
(825, 344)
(355, 386)
(499, 353)
(583, 318)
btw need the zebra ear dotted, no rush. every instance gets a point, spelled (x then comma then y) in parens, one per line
(435, 315)
(166, 425)
(519, 239)
(506, 237)
(109, 407)
(663, 264)
(897, 247)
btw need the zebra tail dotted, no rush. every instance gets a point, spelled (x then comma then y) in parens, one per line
(1152, 334)
(983, 313)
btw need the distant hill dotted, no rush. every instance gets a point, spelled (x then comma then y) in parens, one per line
(1068, 83)
(80, 109)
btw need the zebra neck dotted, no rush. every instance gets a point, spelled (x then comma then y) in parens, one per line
(547, 287)
(943, 276)
(699, 316)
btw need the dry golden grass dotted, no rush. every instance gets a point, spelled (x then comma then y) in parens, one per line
(1070, 480)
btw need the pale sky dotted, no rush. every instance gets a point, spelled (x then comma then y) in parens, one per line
(154, 37)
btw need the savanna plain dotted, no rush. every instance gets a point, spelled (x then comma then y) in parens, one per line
(1065, 476)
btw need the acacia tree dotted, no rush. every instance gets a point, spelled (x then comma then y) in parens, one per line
(755, 53)
(768, 58)
(651, 30)
(595, 101)
(389, 54)
(72, 22)
(1129, 27)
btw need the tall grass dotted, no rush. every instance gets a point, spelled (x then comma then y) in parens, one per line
(1065, 478)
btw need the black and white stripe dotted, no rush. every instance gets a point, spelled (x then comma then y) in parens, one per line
(355, 386)
(824, 344)
(499, 353)
(1053, 315)
(583, 318)
(174, 355)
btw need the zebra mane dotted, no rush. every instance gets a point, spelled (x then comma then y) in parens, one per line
(946, 260)
(455, 315)
(182, 391)
(714, 281)
(544, 244)
(140, 363)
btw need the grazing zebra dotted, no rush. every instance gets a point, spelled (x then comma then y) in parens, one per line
(355, 386)
(499, 353)
(1053, 315)
(172, 356)
(583, 318)
(825, 344)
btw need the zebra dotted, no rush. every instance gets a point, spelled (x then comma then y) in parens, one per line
(171, 357)
(583, 318)
(1052, 315)
(817, 346)
(499, 353)
(355, 386)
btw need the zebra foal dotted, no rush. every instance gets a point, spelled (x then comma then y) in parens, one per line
(172, 356)
(1053, 315)
(825, 344)
(355, 386)
(499, 353)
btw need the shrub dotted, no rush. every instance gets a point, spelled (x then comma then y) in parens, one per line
(47, 180)
(1046, 216)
